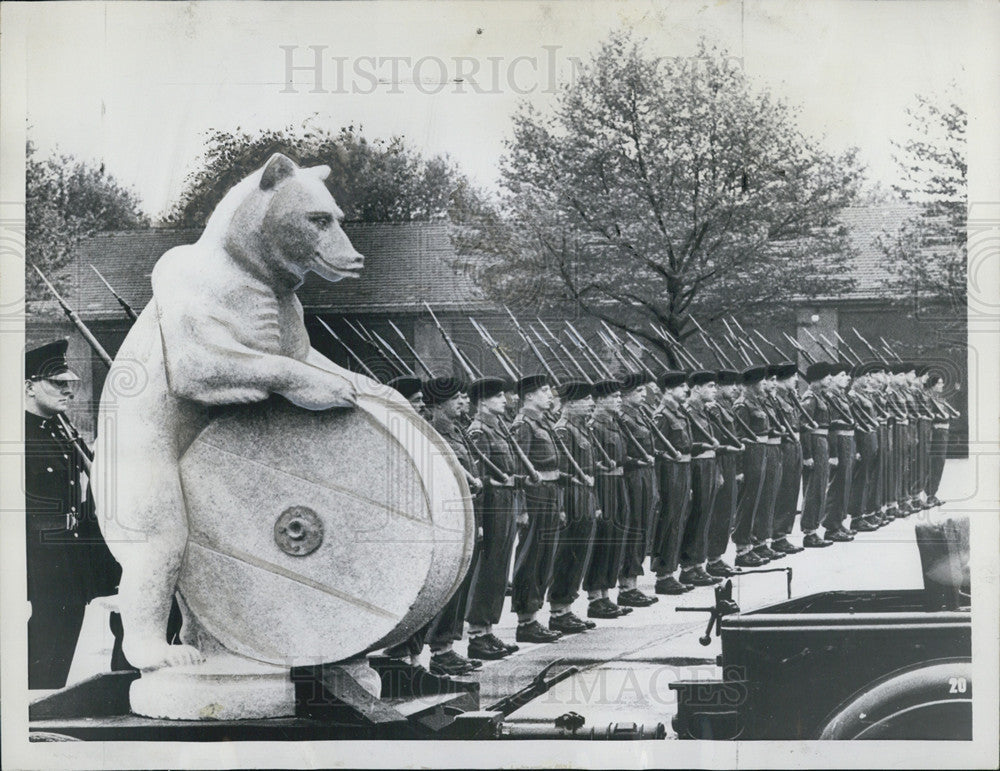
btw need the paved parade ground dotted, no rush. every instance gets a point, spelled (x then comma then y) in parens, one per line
(627, 665)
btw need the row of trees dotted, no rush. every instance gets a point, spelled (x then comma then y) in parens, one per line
(653, 189)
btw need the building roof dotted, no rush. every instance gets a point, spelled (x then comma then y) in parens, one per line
(867, 226)
(406, 264)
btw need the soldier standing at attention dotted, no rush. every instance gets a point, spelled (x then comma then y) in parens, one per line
(502, 505)
(609, 539)
(842, 446)
(538, 539)
(755, 427)
(816, 456)
(787, 500)
(582, 512)
(728, 458)
(764, 519)
(694, 541)
(675, 483)
(640, 484)
(860, 506)
(934, 385)
(67, 560)
(445, 397)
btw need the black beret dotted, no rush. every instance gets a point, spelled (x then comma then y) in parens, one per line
(933, 376)
(671, 379)
(700, 377)
(574, 390)
(874, 365)
(48, 362)
(840, 366)
(631, 380)
(923, 369)
(486, 387)
(440, 389)
(787, 369)
(728, 377)
(530, 383)
(909, 366)
(754, 374)
(772, 370)
(817, 371)
(407, 385)
(606, 388)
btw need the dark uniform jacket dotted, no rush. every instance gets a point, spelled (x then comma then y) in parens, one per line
(675, 426)
(66, 553)
(751, 410)
(701, 428)
(580, 499)
(635, 423)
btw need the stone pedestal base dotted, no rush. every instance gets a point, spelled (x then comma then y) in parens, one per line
(224, 687)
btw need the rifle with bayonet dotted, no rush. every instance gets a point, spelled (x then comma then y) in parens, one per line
(121, 300)
(77, 322)
(347, 348)
(411, 349)
(466, 366)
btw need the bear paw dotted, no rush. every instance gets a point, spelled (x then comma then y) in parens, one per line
(146, 654)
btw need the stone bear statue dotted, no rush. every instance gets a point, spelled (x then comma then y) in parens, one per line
(224, 326)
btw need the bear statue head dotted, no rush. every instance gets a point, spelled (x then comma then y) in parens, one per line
(286, 221)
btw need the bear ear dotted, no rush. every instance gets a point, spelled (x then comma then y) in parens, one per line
(279, 167)
(322, 172)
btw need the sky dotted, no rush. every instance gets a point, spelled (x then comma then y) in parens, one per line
(137, 85)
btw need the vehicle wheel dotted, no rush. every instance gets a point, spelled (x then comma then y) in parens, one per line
(931, 702)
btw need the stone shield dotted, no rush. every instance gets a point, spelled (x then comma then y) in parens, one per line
(316, 536)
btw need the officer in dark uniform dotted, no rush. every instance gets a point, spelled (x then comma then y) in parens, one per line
(502, 504)
(67, 560)
(577, 539)
(763, 527)
(609, 538)
(675, 483)
(815, 456)
(640, 484)
(728, 458)
(704, 484)
(537, 541)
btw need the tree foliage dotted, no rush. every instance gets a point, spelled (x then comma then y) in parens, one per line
(928, 254)
(67, 200)
(371, 180)
(659, 188)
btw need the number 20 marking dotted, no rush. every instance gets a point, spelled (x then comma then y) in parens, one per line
(957, 685)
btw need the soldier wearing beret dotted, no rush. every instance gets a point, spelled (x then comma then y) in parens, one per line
(68, 562)
(612, 499)
(444, 396)
(755, 425)
(537, 541)
(704, 485)
(640, 484)
(582, 511)
(842, 425)
(897, 404)
(439, 397)
(787, 500)
(861, 505)
(502, 504)
(816, 456)
(728, 457)
(675, 483)
(934, 389)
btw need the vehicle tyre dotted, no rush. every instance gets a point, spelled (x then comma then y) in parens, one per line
(930, 702)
